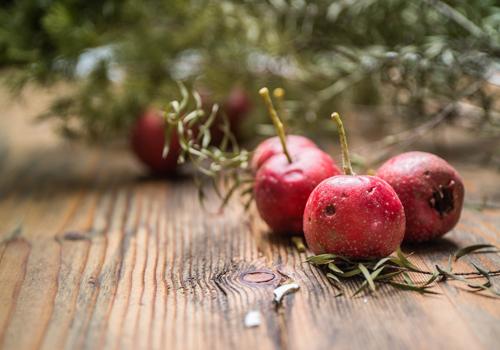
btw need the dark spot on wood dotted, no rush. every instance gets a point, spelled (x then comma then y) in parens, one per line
(329, 210)
(258, 277)
(74, 236)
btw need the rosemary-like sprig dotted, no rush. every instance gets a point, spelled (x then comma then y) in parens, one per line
(395, 271)
(224, 163)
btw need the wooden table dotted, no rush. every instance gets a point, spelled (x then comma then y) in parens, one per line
(95, 255)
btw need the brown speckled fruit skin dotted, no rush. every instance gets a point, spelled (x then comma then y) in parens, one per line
(281, 189)
(272, 146)
(354, 216)
(417, 178)
(147, 139)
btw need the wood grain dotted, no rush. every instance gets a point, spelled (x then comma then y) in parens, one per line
(94, 255)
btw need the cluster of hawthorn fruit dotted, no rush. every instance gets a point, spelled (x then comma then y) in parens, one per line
(414, 196)
(298, 188)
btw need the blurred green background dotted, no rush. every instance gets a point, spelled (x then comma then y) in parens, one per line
(410, 59)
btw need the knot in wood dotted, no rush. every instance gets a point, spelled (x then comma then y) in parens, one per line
(258, 277)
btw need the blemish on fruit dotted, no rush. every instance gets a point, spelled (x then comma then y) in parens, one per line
(329, 210)
(442, 199)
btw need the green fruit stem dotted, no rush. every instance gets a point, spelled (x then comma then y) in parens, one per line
(278, 125)
(346, 160)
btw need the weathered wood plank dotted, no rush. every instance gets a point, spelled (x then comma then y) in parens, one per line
(12, 275)
(107, 259)
(199, 251)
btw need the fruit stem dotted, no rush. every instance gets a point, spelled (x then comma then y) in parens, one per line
(279, 93)
(346, 160)
(279, 96)
(278, 125)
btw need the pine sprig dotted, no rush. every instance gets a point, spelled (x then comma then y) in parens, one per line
(396, 271)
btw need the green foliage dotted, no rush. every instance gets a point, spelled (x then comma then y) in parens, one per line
(395, 271)
(222, 162)
(417, 52)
